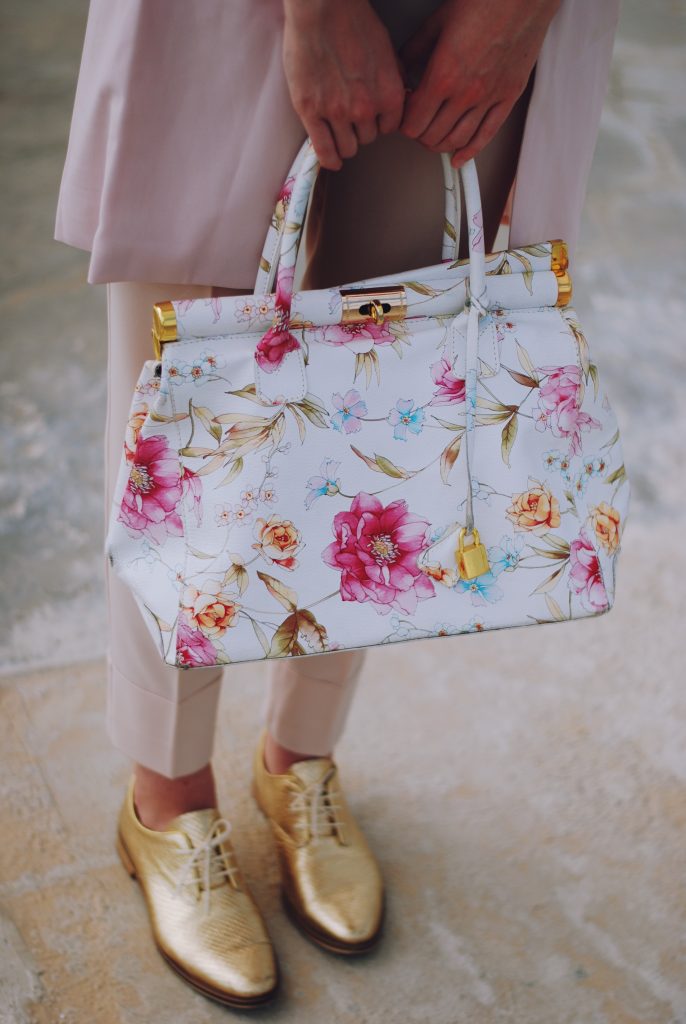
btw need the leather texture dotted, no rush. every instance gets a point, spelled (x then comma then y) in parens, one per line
(331, 882)
(293, 484)
(204, 919)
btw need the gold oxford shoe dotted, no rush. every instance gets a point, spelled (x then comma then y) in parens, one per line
(204, 919)
(330, 882)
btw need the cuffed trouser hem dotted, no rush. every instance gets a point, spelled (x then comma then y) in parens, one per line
(172, 735)
(308, 700)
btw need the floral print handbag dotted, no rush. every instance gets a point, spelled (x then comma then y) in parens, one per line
(423, 454)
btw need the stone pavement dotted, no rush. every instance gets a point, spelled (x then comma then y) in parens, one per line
(533, 844)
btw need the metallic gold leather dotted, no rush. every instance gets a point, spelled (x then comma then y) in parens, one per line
(214, 936)
(330, 879)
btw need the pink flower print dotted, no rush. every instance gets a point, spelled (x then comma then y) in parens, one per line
(476, 232)
(350, 334)
(558, 405)
(278, 341)
(585, 577)
(351, 410)
(284, 289)
(153, 491)
(191, 486)
(284, 198)
(193, 648)
(184, 305)
(273, 347)
(215, 303)
(451, 388)
(376, 552)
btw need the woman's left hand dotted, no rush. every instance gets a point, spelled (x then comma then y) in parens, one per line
(475, 59)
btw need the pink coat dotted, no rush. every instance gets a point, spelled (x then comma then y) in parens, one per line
(183, 132)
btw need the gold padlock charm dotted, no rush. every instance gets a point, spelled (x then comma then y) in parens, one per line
(472, 561)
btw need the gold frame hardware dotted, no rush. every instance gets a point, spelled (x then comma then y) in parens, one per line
(375, 304)
(163, 326)
(559, 264)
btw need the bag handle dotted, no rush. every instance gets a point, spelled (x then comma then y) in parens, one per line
(278, 342)
(271, 250)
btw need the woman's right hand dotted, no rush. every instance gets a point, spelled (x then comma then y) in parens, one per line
(343, 75)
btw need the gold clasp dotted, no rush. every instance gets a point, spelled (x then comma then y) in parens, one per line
(472, 561)
(377, 304)
(163, 326)
(559, 264)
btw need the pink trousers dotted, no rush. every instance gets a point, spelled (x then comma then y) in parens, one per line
(162, 717)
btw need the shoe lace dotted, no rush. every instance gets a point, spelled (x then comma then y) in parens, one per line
(213, 863)
(319, 807)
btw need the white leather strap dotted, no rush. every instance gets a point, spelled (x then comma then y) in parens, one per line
(271, 250)
(280, 346)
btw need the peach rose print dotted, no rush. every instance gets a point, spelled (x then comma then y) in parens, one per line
(133, 429)
(209, 610)
(605, 521)
(535, 510)
(278, 541)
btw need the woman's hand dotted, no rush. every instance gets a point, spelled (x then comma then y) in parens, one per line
(475, 59)
(343, 75)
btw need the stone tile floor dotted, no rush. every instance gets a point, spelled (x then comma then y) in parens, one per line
(533, 845)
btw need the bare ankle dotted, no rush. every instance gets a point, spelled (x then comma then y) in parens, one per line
(158, 799)
(278, 759)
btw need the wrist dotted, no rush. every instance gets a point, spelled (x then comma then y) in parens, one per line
(306, 11)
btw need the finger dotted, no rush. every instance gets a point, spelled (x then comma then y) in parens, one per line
(391, 101)
(461, 132)
(488, 128)
(420, 109)
(366, 131)
(324, 144)
(445, 121)
(392, 113)
(346, 140)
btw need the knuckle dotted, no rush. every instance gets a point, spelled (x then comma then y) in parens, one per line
(443, 82)
(361, 110)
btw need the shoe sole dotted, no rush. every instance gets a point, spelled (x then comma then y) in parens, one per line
(324, 939)
(311, 931)
(236, 1001)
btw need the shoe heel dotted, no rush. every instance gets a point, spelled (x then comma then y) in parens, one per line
(124, 856)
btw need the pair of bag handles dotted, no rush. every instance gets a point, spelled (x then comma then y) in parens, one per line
(282, 244)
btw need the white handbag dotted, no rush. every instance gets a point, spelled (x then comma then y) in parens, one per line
(418, 455)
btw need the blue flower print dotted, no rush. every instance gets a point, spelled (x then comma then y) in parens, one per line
(445, 629)
(405, 417)
(593, 465)
(475, 625)
(551, 460)
(579, 484)
(327, 483)
(197, 372)
(504, 557)
(176, 373)
(482, 590)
